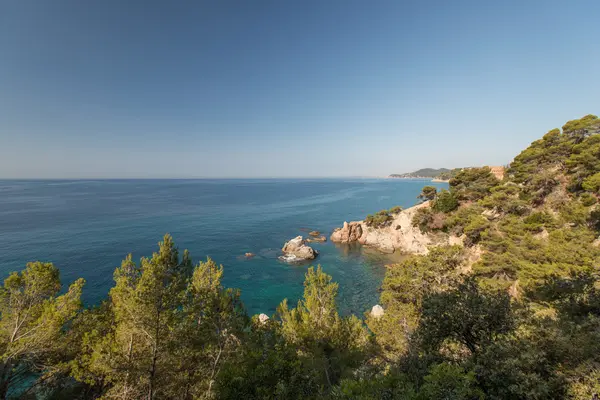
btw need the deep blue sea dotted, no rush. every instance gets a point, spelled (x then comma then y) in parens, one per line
(86, 227)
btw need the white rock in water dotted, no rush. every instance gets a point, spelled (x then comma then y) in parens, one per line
(263, 318)
(377, 311)
(296, 250)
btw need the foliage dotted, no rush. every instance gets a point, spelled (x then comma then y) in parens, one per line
(588, 199)
(395, 210)
(448, 381)
(445, 202)
(473, 317)
(592, 183)
(380, 219)
(428, 193)
(330, 344)
(31, 327)
(473, 183)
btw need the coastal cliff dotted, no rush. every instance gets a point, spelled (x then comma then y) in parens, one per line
(398, 235)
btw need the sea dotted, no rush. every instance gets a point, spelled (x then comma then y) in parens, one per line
(86, 227)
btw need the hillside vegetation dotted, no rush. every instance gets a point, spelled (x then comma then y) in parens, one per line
(513, 313)
(422, 173)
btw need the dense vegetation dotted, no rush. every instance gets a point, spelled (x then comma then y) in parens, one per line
(514, 313)
(436, 173)
(382, 218)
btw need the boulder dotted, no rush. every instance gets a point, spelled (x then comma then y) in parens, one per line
(249, 255)
(350, 232)
(314, 233)
(319, 239)
(297, 250)
(377, 311)
(263, 318)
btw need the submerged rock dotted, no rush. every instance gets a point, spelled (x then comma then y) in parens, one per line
(319, 239)
(314, 233)
(296, 250)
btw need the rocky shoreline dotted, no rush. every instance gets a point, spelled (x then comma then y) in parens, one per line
(399, 235)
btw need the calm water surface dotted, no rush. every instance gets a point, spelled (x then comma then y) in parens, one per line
(87, 227)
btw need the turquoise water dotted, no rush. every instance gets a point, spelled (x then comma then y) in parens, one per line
(87, 227)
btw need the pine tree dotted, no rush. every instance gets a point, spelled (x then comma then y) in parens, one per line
(32, 323)
(330, 344)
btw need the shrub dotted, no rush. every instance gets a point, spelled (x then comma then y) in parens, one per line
(380, 219)
(395, 210)
(428, 193)
(445, 202)
(422, 219)
(588, 199)
(536, 221)
(456, 222)
(473, 230)
(592, 183)
(473, 183)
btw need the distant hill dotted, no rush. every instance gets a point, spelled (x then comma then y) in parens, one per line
(424, 173)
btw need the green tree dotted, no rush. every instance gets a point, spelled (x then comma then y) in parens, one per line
(211, 333)
(428, 193)
(467, 315)
(171, 327)
(450, 382)
(135, 356)
(473, 183)
(592, 183)
(33, 319)
(445, 202)
(328, 343)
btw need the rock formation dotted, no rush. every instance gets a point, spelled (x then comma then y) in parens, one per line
(350, 232)
(319, 239)
(377, 311)
(249, 255)
(399, 235)
(314, 233)
(263, 318)
(297, 250)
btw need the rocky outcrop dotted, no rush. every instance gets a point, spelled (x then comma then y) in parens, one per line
(314, 233)
(296, 250)
(263, 318)
(249, 255)
(399, 235)
(350, 232)
(318, 239)
(377, 311)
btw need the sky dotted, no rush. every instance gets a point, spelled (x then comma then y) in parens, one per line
(194, 89)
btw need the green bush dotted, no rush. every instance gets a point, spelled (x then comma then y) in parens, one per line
(474, 229)
(422, 219)
(473, 183)
(380, 219)
(536, 221)
(592, 183)
(428, 193)
(588, 199)
(445, 202)
(395, 210)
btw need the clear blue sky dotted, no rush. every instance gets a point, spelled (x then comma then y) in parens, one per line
(114, 88)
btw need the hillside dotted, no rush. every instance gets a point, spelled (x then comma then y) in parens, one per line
(422, 173)
(518, 298)
(443, 174)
